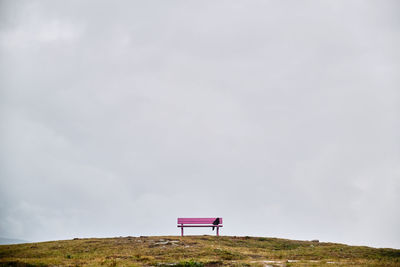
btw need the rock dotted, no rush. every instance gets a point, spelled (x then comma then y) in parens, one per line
(162, 243)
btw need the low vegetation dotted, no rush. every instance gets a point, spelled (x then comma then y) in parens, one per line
(194, 251)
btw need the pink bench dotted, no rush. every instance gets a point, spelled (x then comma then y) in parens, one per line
(199, 222)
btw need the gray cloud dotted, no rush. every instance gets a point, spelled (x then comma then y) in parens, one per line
(116, 118)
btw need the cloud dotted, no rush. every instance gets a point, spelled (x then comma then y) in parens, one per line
(281, 118)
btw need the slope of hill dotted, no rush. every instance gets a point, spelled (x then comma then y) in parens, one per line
(6, 241)
(194, 251)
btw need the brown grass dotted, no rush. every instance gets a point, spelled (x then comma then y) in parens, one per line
(193, 251)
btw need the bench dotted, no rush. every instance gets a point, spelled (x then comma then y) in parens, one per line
(198, 222)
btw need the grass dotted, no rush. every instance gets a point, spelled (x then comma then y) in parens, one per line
(194, 251)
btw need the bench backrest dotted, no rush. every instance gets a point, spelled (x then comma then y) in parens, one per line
(198, 220)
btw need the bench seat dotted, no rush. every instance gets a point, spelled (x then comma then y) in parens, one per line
(211, 225)
(199, 222)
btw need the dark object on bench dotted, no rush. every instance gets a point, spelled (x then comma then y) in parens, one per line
(216, 222)
(200, 222)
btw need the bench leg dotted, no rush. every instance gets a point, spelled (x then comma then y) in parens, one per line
(181, 231)
(217, 231)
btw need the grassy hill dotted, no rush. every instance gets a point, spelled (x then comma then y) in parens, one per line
(193, 251)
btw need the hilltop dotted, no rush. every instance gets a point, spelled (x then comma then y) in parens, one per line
(194, 251)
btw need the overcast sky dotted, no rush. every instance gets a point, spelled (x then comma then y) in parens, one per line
(282, 117)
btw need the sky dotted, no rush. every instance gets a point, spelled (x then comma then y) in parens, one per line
(281, 117)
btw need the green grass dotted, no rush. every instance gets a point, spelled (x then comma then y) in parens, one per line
(194, 251)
